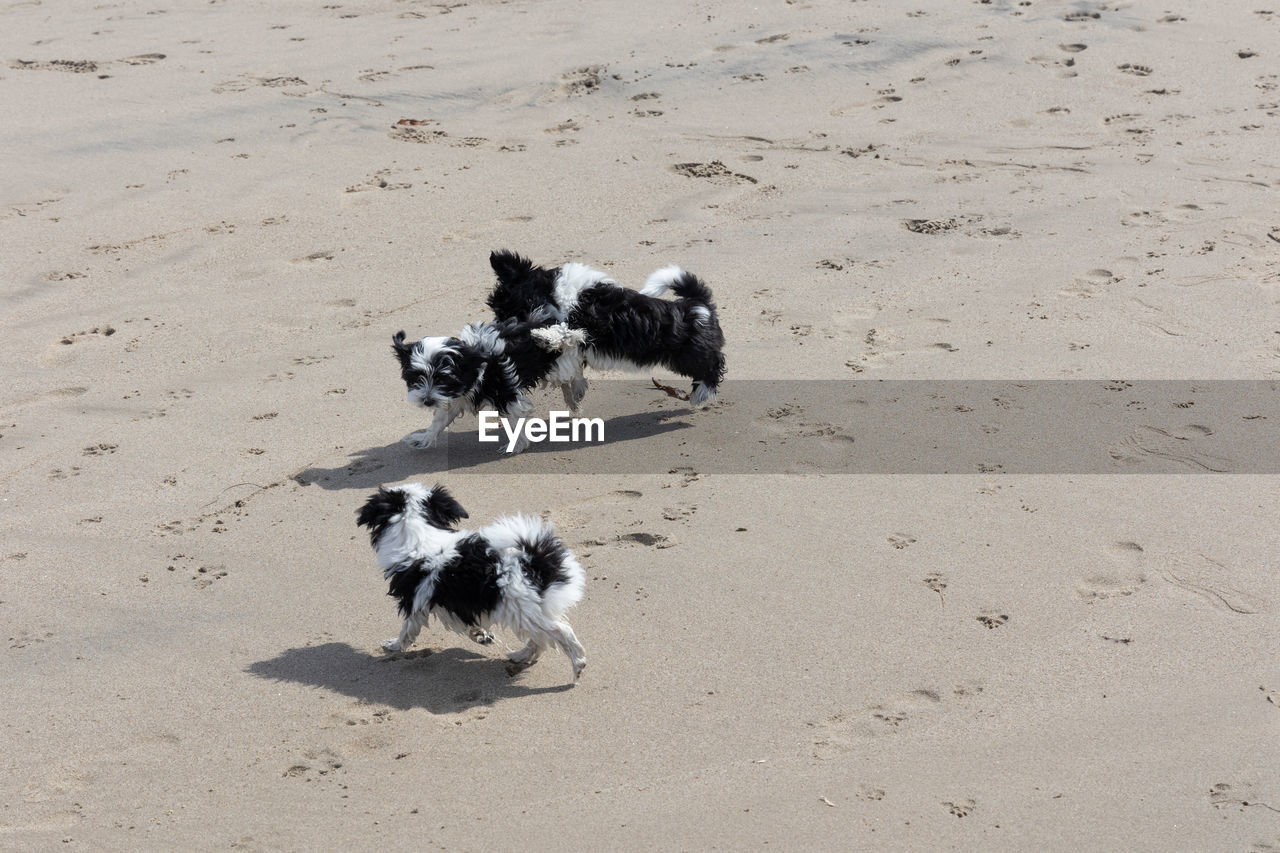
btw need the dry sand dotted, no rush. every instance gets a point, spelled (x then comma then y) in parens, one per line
(212, 220)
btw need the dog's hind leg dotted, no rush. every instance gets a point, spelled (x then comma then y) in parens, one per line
(706, 380)
(564, 637)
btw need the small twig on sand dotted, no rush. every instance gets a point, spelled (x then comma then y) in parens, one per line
(671, 392)
(233, 486)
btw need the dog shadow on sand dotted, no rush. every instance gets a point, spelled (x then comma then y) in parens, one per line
(460, 448)
(442, 682)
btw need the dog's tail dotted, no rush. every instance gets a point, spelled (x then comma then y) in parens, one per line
(695, 296)
(685, 285)
(688, 288)
(547, 565)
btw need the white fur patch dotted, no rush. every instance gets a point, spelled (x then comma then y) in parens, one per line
(701, 314)
(701, 395)
(428, 348)
(483, 336)
(660, 281)
(505, 535)
(571, 280)
(409, 537)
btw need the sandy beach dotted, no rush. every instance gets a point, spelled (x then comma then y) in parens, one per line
(820, 615)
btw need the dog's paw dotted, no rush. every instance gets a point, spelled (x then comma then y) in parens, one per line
(419, 440)
(526, 656)
(481, 636)
(514, 668)
(392, 645)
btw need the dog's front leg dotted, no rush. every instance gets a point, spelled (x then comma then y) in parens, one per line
(573, 391)
(519, 410)
(408, 633)
(439, 423)
(526, 656)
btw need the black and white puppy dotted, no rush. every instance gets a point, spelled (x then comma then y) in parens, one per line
(515, 573)
(625, 329)
(486, 366)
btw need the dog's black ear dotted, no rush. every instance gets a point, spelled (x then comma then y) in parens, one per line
(442, 509)
(377, 512)
(508, 266)
(400, 349)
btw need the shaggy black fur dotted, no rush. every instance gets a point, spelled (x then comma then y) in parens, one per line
(442, 509)
(542, 561)
(621, 325)
(378, 511)
(467, 586)
(404, 586)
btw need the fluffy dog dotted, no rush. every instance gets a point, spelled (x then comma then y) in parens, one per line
(515, 573)
(487, 366)
(624, 329)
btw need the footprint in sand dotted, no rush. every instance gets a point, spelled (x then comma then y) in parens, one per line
(937, 582)
(408, 133)
(95, 332)
(1135, 70)
(679, 513)
(901, 540)
(63, 275)
(322, 255)
(961, 808)
(1155, 319)
(1089, 284)
(652, 540)
(907, 712)
(1184, 446)
(577, 83)
(715, 172)
(1123, 576)
(1065, 66)
(582, 512)
(247, 81)
(1238, 797)
(72, 66)
(686, 477)
(99, 450)
(993, 620)
(314, 765)
(936, 226)
(22, 639)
